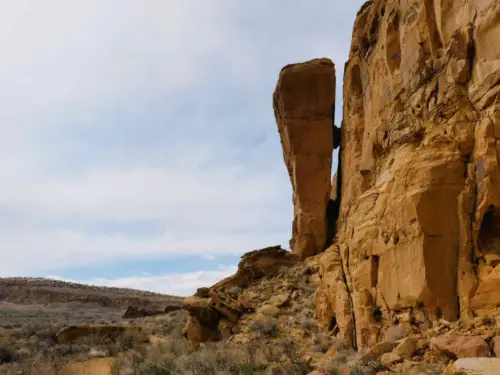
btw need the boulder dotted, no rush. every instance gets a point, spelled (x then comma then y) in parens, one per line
(377, 351)
(397, 332)
(97, 331)
(202, 309)
(197, 333)
(477, 366)
(406, 348)
(304, 102)
(278, 300)
(388, 359)
(461, 346)
(268, 310)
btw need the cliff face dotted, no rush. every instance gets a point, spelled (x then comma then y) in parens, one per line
(419, 228)
(407, 235)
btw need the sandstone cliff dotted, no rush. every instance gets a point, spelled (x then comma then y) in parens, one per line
(406, 237)
(419, 227)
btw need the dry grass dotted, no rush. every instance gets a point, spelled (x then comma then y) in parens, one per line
(264, 325)
(31, 348)
(179, 357)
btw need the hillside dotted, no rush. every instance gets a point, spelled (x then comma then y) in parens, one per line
(31, 291)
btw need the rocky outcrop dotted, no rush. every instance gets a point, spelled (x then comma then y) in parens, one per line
(419, 227)
(304, 102)
(214, 311)
(96, 331)
(407, 240)
(461, 347)
(474, 366)
(134, 312)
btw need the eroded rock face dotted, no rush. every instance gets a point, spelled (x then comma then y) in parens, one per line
(304, 102)
(214, 311)
(419, 226)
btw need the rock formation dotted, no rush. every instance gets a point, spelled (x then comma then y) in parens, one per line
(304, 102)
(419, 228)
(215, 311)
(134, 312)
(97, 331)
(411, 220)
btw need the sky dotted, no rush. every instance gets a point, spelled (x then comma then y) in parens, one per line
(139, 146)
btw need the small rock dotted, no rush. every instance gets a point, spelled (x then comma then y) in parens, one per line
(389, 358)
(332, 351)
(398, 332)
(444, 322)
(461, 346)
(269, 310)
(405, 317)
(278, 300)
(377, 351)
(419, 316)
(406, 348)
(477, 366)
(95, 353)
(382, 348)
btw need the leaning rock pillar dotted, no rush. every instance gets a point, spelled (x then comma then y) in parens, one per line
(304, 102)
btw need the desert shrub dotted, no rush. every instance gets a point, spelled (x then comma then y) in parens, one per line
(6, 355)
(234, 290)
(173, 326)
(132, 338)
(179, 356)
(42, 332)
(202, 292)
(264, 325)
(321, 343)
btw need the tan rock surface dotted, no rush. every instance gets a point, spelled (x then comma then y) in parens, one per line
(462, 346)
(389, 358)
(406, 348)
(304, 102)
(420, 187)
(214, 315)
(476, 366)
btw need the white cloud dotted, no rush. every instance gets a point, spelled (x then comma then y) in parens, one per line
(127, 111)
(180, 284)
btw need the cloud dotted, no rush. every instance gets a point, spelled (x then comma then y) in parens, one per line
(135, 131)
(182, 284)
